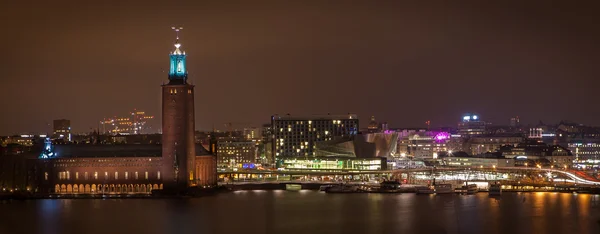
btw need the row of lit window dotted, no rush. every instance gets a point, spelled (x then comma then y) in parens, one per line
(174, 91)
(66, 175)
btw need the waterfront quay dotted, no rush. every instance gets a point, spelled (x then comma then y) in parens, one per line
(413, 176)
(512, 179)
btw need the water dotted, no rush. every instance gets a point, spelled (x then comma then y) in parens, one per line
(312, 212)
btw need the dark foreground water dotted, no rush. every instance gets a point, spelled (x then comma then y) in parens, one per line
(311, 212)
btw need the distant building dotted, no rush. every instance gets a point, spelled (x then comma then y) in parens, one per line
(489, 160)
(298, 135)
(252, 133)
(134, 123)
(471, 124)
(554, 154)
(373, 125)
(515, 122)
(62, 129)
(481, 144)
(423, 144)
(236, 154)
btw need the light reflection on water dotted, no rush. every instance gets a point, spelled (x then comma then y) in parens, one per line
(310, 212)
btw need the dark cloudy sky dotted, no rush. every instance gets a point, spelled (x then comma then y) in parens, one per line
(403, 62)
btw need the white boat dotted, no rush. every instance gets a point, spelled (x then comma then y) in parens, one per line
(495, 189)
(443, 188)
(471, 188)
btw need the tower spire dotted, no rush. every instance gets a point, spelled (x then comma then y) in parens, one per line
(177, 29)
(177, 71)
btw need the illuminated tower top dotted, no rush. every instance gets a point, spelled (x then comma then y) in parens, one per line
(177, 71)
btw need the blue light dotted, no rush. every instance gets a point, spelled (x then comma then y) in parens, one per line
(177, 70)
(47, 152)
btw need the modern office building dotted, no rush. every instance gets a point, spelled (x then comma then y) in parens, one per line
(423, 144)
(62, 129)
(297, 135)
(471, 124)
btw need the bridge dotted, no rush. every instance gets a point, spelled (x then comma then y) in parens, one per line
(414, 175)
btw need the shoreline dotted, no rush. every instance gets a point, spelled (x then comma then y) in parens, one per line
(216, 192)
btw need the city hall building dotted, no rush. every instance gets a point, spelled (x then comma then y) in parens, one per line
(176, 163)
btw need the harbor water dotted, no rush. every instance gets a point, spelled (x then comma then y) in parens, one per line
(307, 211)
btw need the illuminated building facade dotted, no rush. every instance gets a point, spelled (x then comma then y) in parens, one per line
(252, 133)
(471, 124)
(532, 150)
(137, 122)
(587, 153)
(62, 129)
(480, 144)
(236, 154)
(486, 162)
(423, 144)
(332, 164)
(297, 135)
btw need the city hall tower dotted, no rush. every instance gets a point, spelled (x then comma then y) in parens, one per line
(178, 147)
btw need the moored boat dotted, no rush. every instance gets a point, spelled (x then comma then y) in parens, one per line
(325, 187)
(470, 188)
(343, 188)
(495, 189)
(443, 188)
(427, 190)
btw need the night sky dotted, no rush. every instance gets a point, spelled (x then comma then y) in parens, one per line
(403, 62)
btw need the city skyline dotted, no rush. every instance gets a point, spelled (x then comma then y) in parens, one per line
(499, 61)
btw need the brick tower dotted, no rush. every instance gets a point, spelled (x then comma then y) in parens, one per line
(178, 147)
